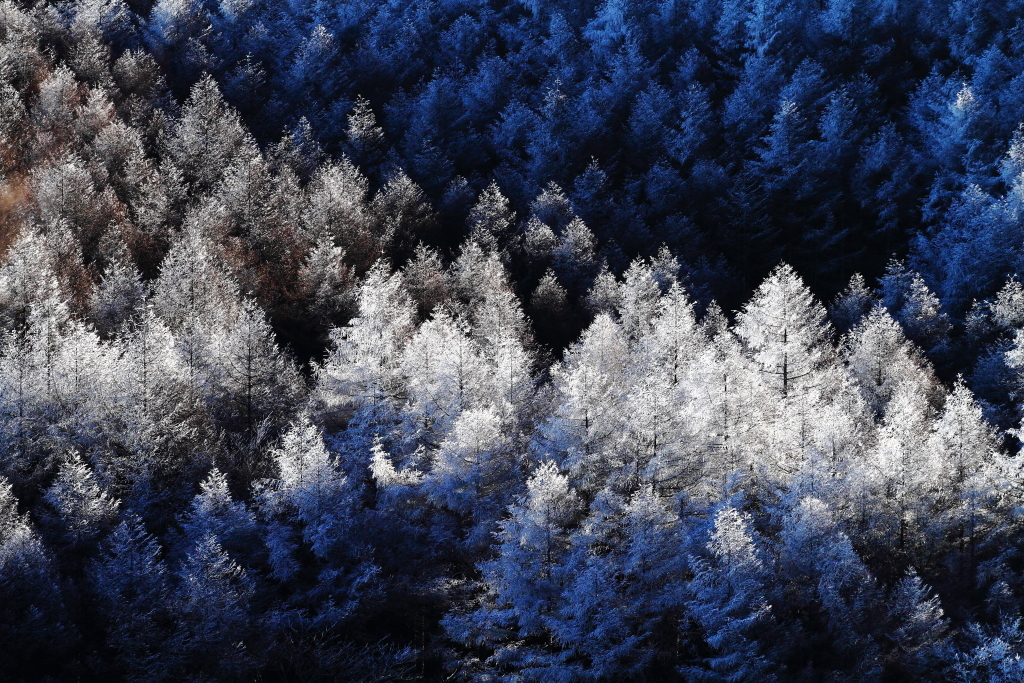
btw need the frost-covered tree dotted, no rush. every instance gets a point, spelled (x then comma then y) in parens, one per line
(129, 584)
(253, 381)
(37, 637)
(852, 304)
(820, 574)
(208, 136)
(589, 384)
(446, 374)
(921, 629)
(727, 601)
(364, 365)
(786, 331)
(308, 489)
(881, 359)
(905, 294)
(491, 221)
(216, 514)
(787, 334)
(210, 606)
(526, 579)
(82, 507)
(337, 209)
(474, 470)
(625, 592)
(194, 286)
(119, 299)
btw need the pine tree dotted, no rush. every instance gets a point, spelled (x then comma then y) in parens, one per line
(992, 655)
(639, 299)
(575, 260)
(549, 307)
(498, 326)
(669, 423)
(899, 479)
(426, 280)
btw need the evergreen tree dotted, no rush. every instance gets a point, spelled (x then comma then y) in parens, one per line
(525, 581)
(363, 367)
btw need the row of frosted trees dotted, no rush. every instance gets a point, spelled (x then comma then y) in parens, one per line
(97, 145)
(680, 495)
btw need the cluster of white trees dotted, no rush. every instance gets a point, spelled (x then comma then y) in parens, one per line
(725, 499)
(729, 481)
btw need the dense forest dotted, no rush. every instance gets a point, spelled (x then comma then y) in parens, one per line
(511, 341)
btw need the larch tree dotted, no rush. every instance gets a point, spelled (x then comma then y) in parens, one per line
(83, 509)
(446, 374)
(881, 358)
(119, 299)
(474, 470)
(254, 382)
(824, 581)
(787, 334)
(209, 135)
(625, 593)
(309, 489)
(726, 600)
(363, 367)
(211, 610)
(524, 582)
(584, 425)
(129, 588)
(36, 633)
(216, 514)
